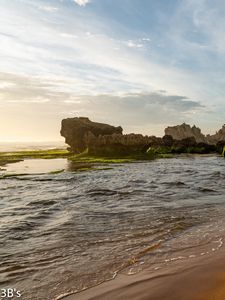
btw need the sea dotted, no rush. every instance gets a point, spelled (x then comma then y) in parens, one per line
(64, 233)
(23, 146)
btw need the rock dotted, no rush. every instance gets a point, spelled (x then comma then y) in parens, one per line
(82, 134)
(102, 139)
(219, 137)
(184, 131)
(167, 140)
(118, 144)
(186, 142)
(76, 130)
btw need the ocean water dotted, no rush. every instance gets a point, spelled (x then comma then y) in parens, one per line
(62, 233)
(23, 146)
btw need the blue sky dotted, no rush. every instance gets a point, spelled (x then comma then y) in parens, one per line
(141, 64)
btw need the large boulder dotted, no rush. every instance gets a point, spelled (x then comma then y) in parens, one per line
(76, 131)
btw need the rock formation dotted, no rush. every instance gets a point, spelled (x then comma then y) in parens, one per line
(184, 131)
(119, 143)
(76, 130)
(219, 137)
(82, 134)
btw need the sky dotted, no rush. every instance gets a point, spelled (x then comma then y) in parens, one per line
(140, 64)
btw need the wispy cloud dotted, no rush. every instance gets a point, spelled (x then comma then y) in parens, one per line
(146, 109)
(48, 8)
(132, 44)
(82, 2)
(143, 109)
(70, 52)
(58, 52)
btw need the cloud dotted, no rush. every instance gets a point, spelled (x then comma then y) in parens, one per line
(5, 84)
(82, 2)
(146, 39)
(132, 44)
(23, 89)
(146, 113)
(10, 82)
(48, 8)
(68, 47)
(67, 57)
(33, 106)
(68, 35)
(138, 106)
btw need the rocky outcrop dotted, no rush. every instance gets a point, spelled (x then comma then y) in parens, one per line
(77, 130)
(219, 137)
(184, 131)
(119, 143)
(96, 138)
(82, 134)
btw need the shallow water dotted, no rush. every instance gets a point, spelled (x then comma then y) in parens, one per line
(36, 166)
(61, 233)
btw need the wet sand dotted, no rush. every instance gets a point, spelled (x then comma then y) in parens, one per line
(197, 279)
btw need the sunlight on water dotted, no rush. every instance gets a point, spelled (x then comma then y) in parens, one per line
(32, 166)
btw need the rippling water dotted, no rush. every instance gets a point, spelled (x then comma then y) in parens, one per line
(62, 233)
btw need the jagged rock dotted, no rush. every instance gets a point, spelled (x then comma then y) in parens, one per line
(219, 137)
(75, 131)
(184, 131)
(82, 134)
(118, 143)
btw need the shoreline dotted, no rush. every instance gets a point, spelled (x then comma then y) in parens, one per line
(202, 278)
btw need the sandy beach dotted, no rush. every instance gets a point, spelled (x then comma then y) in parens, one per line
(198, 279)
